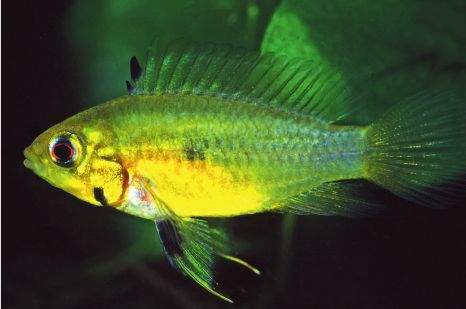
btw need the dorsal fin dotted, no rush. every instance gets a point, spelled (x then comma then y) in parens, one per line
(299, 86)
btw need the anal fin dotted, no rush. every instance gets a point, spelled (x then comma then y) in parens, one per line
(349, 198)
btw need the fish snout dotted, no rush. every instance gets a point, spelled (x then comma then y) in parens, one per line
(27, 155)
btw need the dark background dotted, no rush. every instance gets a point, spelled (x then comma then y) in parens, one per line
(59, 252)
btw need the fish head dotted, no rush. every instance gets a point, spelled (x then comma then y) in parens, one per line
(77, 157)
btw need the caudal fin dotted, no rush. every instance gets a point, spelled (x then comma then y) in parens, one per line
(417, 149)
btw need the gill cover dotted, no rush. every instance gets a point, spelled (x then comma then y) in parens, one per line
(108, 180)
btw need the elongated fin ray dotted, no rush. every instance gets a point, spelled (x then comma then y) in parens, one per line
(342, 198)
(299, 86)
(242, 263)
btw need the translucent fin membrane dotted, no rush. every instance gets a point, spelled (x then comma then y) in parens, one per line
(199, 246)
(298, 86)
(417, 149)
(349, 198)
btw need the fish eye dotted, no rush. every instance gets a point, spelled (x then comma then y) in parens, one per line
(64, 150)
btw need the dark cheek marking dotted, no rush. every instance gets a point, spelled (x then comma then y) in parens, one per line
(124, 184)
(170, 238)
(99, 196)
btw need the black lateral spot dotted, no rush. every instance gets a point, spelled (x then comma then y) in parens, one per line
(189, 153)
(170, 238)
(135, 69)
(194, 150)
(99, 196)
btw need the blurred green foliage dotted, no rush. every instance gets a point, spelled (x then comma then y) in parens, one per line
(390, 48)
(105, 34)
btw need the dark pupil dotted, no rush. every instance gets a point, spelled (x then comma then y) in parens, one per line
(63, 152)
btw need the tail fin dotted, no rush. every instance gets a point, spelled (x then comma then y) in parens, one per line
(417, 149)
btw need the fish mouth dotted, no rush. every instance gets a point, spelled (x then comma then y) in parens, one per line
(27, 161)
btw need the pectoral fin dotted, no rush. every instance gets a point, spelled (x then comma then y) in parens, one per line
(191, 245)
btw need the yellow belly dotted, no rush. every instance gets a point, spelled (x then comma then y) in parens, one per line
(201, 189)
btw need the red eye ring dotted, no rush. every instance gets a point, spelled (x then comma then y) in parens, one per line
(62, 152)
(59, 157)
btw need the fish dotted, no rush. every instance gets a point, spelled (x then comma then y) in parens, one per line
(210, 131)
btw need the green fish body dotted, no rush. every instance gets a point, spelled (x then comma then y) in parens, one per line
(217, 133)
(257, 155)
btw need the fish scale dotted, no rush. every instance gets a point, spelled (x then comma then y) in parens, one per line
(260, 151)
(220, 133)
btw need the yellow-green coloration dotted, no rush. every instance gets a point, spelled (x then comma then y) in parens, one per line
(216, 133)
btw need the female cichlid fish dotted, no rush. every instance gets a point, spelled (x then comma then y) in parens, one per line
(210, 132)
